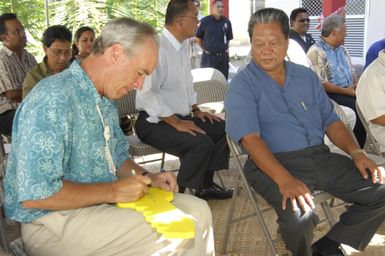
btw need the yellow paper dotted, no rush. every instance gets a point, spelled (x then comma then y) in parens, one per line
(162, 215)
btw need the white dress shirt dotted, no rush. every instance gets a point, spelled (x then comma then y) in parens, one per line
(169, 89)
(370, 94)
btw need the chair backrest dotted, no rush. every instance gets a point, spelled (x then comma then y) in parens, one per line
(341, 114)
(205, 74)
(379, 159)
(210, 91)
(370, 138)
(126, 104)
(2, 148)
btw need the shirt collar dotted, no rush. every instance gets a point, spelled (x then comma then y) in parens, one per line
(84, 82)
(8, 51)
(327, 46)
(172, 39)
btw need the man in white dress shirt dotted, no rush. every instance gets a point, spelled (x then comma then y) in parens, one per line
(170, 119)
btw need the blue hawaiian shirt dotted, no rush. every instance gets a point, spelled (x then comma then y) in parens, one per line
(58, 135)
(331, 64)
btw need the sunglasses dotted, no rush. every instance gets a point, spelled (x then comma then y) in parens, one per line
(303, 20)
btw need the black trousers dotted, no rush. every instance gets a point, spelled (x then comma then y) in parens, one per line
(322, 170)
(199, 155)
(6, 121)
(350, 102)
(218, 62)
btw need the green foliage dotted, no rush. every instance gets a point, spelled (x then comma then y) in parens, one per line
(77, 13)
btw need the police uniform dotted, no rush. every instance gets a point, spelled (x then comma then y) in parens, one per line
(215, 35)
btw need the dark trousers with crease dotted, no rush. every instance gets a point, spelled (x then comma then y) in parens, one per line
(322, 170)
(6, 121)
(199, 155)
(218, 62)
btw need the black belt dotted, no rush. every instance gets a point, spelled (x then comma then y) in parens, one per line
(216, 53)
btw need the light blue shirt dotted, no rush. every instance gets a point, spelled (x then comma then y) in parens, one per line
(58, 135)
(338, 70)
(287, 118)
(169, 89)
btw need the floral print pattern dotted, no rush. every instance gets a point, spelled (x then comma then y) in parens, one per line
(58, 135)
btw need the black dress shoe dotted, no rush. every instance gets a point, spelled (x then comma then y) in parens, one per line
(214, 192)
(317, 252)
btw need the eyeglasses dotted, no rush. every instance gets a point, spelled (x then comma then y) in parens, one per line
(20, 31)
(58, 52)
(303, 20)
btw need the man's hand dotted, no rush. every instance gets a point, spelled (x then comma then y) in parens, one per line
(130, 189)
(164, 180)
(188, 126)
(297, 192)
(205, 115)
(351, 91)
(365, 165)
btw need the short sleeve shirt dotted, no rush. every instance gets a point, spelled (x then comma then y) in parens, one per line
(331, 64)
(216, 34)
(12, 73)
(58, 135)
(371, 94)
(289, 117)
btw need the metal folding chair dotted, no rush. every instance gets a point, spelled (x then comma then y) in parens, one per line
(210, 91)
(126, 107)
(258, 212)
(373, 144)
(379, 159)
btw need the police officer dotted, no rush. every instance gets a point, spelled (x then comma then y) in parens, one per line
(213, 35)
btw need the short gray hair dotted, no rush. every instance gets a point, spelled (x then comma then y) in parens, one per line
(124, 31)
(269, 15)
(331, 23)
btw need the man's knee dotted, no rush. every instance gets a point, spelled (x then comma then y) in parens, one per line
(298, 223)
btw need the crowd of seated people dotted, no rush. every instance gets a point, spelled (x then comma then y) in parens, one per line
(69, 164)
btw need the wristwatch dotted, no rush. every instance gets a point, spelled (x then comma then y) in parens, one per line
(356, 152)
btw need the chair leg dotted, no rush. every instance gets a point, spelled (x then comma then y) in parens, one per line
(4, 242)
(162, 162)
(326, 208)
(229, 220)
(220, 179)
(262, 222)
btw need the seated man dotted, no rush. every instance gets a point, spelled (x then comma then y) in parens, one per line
(331, 62)
(171, 120)
(15, 62)
(299, 23)
(69, 163)
(279, 112)
(57, 48)
(371, 97)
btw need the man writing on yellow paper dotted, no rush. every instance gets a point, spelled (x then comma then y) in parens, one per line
(69, 163)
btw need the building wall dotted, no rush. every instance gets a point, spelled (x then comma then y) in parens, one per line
(240, 11)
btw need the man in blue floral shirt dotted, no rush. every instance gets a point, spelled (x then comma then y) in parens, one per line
(69, 163)
(331, 62)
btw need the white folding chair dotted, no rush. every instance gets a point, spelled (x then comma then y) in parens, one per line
(258, 212)
(210, 92)
(211, 87)
(126, 107)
